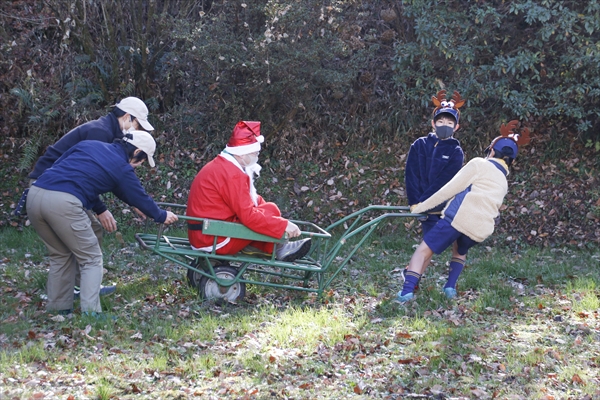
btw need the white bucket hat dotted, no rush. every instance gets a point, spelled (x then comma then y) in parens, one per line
(138, 109)
(143, 141)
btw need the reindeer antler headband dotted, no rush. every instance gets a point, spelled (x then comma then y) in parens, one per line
(447, 106)
(509, 138)
(507, 131)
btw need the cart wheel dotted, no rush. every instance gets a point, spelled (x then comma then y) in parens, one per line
(210, 290)
(193, 277)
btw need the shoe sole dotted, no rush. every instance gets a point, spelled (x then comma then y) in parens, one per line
(451, 296)
(402, 302)
(255, 254)
(304, 249)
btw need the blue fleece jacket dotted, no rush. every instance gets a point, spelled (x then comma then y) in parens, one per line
(105, 129)
(91, 168)
(431, 163)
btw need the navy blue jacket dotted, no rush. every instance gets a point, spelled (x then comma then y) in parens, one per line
(105, 129)
(431, 163)
(91, 168)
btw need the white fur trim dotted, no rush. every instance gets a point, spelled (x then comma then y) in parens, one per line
(241, 150)
(231, 159)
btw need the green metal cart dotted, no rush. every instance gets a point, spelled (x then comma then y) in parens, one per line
(224, 277)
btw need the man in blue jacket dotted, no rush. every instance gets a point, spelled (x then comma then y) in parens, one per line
(129, 114)
(57, 204)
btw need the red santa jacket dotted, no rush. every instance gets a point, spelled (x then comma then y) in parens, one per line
(221, 191)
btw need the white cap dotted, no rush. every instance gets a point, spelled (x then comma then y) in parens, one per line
(137, 108)
(143, 141)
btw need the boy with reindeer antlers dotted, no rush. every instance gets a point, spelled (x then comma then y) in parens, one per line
(473, 197)
(432, 161)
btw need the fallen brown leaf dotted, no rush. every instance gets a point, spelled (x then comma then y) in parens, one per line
(577, 379)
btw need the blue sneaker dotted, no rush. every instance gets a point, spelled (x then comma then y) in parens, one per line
(402, 299)
(104, 291)
(450, 292)
(107, 290)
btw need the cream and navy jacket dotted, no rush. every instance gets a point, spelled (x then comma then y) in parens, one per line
(475, 196)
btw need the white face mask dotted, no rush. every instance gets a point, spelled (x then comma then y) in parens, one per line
(128, 130)
(125, 131)
(249, 160)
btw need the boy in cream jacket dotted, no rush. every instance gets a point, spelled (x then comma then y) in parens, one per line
(474, 197)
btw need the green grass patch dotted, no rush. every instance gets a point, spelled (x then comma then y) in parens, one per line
(524, 325)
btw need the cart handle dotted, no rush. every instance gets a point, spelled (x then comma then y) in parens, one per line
(365, 210)
(321, 233)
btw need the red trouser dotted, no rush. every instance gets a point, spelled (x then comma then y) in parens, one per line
(236, 245)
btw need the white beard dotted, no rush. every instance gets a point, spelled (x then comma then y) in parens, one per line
(250, 171)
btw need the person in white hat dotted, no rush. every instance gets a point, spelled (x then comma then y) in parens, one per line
(129, 114)
(57, 204)
(224, 190)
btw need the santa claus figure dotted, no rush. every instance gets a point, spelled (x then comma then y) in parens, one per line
(224, 190)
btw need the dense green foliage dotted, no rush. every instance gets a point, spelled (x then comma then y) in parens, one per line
(329, 80)
(533, 60)
(310, 70)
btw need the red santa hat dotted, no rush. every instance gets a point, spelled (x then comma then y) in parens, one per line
(245, 139)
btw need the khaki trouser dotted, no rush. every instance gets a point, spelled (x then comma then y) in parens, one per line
(96, 226)
(65, 227)
(98, 232)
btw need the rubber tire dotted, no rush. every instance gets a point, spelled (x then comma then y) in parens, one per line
(211, 291)
(193, 277)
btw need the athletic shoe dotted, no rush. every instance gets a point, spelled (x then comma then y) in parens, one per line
(292, 251)
(104, 291)
(403, 299)
(403, 276)
(107, 290)
(450, 292)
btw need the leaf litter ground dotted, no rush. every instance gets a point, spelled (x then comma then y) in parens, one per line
(524, 326)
